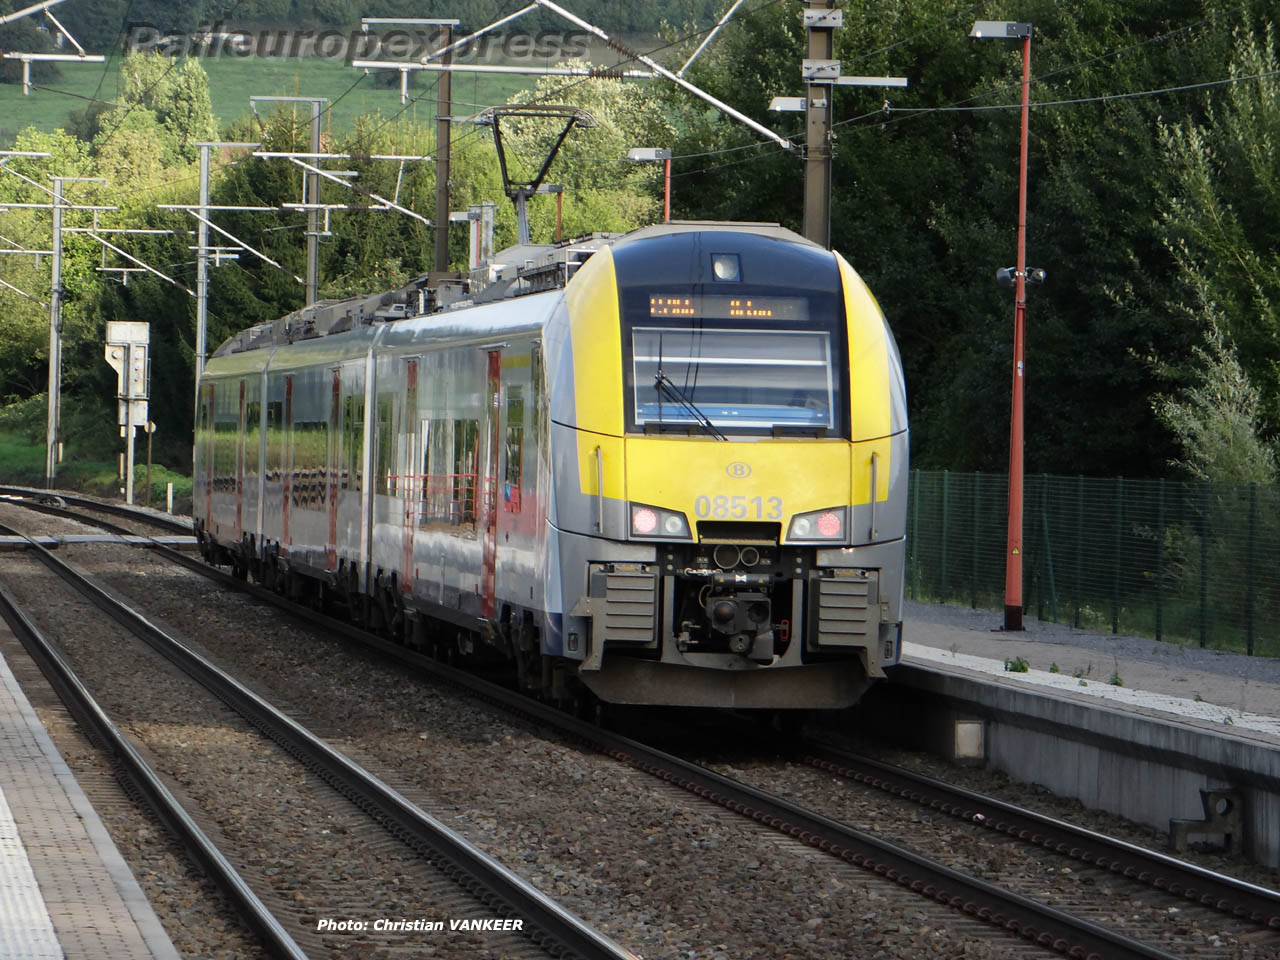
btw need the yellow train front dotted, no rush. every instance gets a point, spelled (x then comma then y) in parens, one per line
(728, 442)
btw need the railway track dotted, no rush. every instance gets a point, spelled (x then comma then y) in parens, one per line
(1178, 878)
(549, 929)
(1052, 929)
(94, 511)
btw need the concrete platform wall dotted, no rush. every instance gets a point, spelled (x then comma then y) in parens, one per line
(1142, 767)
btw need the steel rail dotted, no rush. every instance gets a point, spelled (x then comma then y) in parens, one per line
(555, 927)
(1177, 877)
(1045, 926)
(49, 509)
(119, 510)
(90, 715)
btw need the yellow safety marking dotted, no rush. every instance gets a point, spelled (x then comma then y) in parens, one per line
(869, 402)
(799, 473)
(596, 336)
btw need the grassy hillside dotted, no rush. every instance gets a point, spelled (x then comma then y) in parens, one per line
(232, 81)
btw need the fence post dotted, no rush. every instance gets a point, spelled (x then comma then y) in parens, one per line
(1251, 575)
(946, 531)
(1204, 562)
(1160, 566)
(973, 552)
(1048, 553)
(1079, 543)
(1115, 566)
(915, 536)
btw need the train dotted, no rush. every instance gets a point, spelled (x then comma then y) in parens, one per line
(663, 468)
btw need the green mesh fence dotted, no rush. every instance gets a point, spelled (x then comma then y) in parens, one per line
(1192, 563)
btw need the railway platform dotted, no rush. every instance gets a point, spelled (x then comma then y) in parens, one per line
(1183, 739)
(65, 890)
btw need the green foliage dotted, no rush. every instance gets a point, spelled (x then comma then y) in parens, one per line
(1017, 665)
(925, 207)
(1115, 679)
(1220, 213)
(1216, 420)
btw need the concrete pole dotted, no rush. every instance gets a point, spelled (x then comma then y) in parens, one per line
(55, 342)
(444, 107)
(817, 151)
(202, 269)
(313, 214)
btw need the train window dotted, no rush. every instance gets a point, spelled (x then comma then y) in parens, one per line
(310, 462)
(353, 442)
(226, 422)
(252, 435)
(466, 441)
(513, 449)
(384, 464)
(436, 456)
(275, 439)
(734, 377)
(449, 472)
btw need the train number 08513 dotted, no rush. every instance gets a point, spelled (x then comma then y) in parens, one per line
(722, 507)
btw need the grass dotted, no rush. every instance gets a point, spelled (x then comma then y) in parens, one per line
(233, 80)
(22, 463)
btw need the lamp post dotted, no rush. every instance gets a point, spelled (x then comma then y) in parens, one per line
(1013, 552)
(663, 154)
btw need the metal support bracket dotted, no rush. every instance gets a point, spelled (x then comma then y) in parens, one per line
(1222, 817)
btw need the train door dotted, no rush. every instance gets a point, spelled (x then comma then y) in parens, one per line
(409, 469)
(489, 490)
(239, 529)
(208, 456)
(335, 468)
(286, 464)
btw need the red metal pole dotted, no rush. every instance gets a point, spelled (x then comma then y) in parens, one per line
(1013, 559)
(666, 203)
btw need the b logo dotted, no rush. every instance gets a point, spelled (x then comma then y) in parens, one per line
(738, 469)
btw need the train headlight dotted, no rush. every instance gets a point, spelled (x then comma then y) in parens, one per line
(655, 522)
(818, 525)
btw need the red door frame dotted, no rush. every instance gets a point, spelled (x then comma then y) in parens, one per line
(489, 493)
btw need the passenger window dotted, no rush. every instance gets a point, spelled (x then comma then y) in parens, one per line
(466, 436)
(513, 449)
(353, 443)
(385, 462)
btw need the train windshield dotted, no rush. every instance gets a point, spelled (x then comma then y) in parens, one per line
(746, 364)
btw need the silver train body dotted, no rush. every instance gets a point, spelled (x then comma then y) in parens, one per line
(668, 467)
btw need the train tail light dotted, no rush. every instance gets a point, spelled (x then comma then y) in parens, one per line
(656, 523)
(819, 526)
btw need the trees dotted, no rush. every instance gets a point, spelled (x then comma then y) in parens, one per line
(1220, 214)
(925, 208)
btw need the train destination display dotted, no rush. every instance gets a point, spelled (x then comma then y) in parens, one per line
(720, 307)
